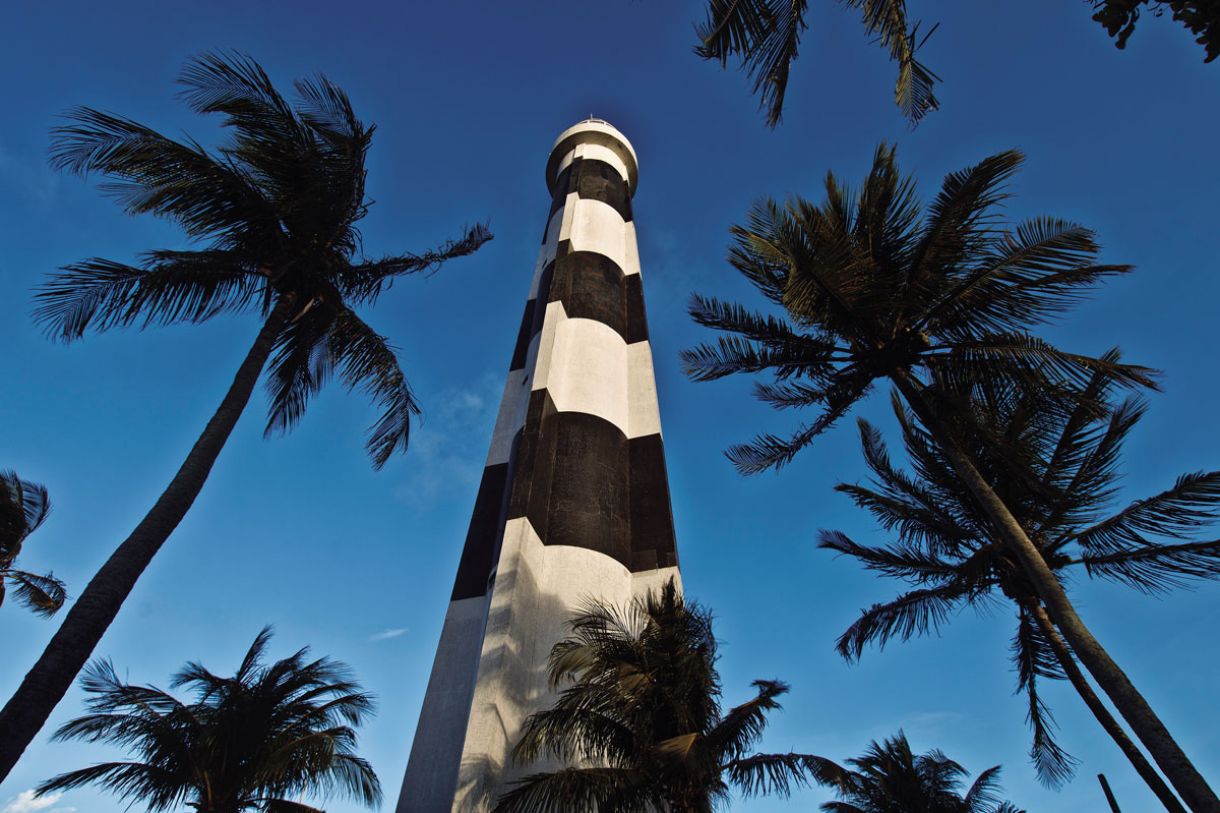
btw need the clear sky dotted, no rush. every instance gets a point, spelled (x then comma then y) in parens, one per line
(299, 532)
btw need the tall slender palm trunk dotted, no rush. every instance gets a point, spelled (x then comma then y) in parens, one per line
(1177, 767)
(1112, 727)
(51, 676)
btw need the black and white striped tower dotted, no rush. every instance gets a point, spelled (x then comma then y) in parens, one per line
(574, 502)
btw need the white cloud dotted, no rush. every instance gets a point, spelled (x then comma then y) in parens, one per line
(384, 635)
(448, 446)
(27, 802)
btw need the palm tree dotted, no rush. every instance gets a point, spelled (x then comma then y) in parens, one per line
(933, 303)
(1059, 472)
(24, 506)
(890, 778)
(766, 34)
(642, 716)
(246, 742)
(277, 210)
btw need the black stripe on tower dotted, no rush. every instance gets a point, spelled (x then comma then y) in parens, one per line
(590, 286)
(581, 482)
(592, 180)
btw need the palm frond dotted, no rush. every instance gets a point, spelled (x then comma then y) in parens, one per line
(768, 451)
(580, 790)
(365, 360)
(24, 506)
(733, 354)
(1033, 362)
(1192, 503)
(983, 795)
(204, 194)
(1034, 658)
(914, 90)
(768, 774)
(363, 282)
(156, 789)
(899, 562)
(170, 288)
(765, 35)
(44, 595)
(1157, 568)
(743, 725)
(1026, 277)
(916, 612)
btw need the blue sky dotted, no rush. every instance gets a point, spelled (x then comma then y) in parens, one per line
(299, 532)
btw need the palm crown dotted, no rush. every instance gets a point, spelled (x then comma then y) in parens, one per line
(248, 741)
(644, 707)
(24, 506)
(873, 289)
(891, 778)
(1058, 472)
(277, 209)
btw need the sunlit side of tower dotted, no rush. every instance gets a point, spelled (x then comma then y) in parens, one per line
(574, 501)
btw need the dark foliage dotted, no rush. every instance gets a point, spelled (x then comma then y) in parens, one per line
(1200, 17)
(246, 742)
(24, 506)
(276, 209)
(873, 285)
(641, 712)
(1057, 471)
(765, 36)
(890, 778)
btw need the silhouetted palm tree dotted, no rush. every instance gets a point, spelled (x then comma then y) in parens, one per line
(766, 34)
(1059, 473)
(246, 742)
(277, 208)
(936, 303)
(24, 506)
(889, 778)
(643, 716)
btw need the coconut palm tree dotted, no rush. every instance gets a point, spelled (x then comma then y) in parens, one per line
(890, 778)
(641, 714)
(275, 210)
(934, 302)
(24, 506)
(1059, 471)
(766, 34)
(246, 742)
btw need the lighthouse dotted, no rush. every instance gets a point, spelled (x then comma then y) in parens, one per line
(574, 503)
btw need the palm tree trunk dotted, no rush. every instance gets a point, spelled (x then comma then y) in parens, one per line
(1173, 762)
(49, 679)
(1136, 757)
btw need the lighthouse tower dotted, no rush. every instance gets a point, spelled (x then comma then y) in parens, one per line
(574, 501)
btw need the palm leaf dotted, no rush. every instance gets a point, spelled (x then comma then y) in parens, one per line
(914, 88)
(580, 790)
(1158, 568)
(44, 595)
(767, 774)
(1034, 658)
(1192, 502)
(24, 506)
(365, 360)
(917, 612)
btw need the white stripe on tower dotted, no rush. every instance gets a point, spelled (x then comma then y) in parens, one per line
(574, 502)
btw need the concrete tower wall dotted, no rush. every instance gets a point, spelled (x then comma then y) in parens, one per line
(574, 501)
